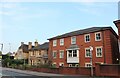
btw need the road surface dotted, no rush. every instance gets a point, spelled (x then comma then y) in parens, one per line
(14, 73)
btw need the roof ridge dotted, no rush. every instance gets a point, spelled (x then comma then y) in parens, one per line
(81, 31)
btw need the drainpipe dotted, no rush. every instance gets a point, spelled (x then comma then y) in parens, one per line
(104, 46)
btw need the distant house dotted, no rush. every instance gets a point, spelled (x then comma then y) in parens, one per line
(73, 49)
(22, 52)
(39, 54)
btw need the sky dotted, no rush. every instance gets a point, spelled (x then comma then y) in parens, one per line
(28, 21)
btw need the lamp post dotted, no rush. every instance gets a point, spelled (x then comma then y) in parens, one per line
(91, 49)
(1, 54)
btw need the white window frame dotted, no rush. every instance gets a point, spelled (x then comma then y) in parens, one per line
(54, 43)
(72, 40)
(60, 54)
(86, 52)
(61, 64)
(85, 37)
(100, 36)
(86, 64)
(62, 42)
(101, 51)
(53, 54)
(72, 53)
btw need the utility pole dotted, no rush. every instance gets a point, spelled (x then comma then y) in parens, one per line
(9, 47)
(1, 46)
(91, 49)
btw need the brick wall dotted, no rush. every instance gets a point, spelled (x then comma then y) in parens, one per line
(107, 70)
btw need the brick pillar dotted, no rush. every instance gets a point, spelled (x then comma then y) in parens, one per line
(97, 69)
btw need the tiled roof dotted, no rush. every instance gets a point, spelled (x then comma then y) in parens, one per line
(43, 46)
(83, 31)
(24, 47)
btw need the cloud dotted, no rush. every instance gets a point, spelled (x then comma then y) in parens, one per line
(5, 13)
(10, 9)
(8, 5)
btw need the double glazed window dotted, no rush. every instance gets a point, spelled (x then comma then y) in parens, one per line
(54, 42)
(61, 42)
(87, 38)
(54, 54)
(61, 54)
(72, 53)
(97, 36)
(98, 51)
(87, 52)
(73, 40)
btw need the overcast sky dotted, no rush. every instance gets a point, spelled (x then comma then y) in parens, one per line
(28, 21)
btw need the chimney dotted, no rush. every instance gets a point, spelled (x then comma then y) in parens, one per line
(36, 43)
(117, 23)
(29, 45)
(22, 43)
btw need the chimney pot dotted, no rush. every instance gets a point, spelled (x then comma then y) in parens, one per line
(22, 43)
(29, 45)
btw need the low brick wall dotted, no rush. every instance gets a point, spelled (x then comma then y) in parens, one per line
(99, 70)
(107, 70)
(74, 71)
(65, 70)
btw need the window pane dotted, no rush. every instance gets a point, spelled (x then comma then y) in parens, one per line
(54, 42)
(70, 53)
(54, 54)
(73, 40)
(74, 53)
(88, 53)
(61, 41)
(61, 54)
(99, 52)
(98, 36)
(87, 38)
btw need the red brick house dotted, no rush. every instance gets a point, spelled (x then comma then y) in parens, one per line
(73, 49)
(117, 23)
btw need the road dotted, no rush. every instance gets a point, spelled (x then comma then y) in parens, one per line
(14, 73)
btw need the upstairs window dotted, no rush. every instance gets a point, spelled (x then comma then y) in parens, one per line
(54, 42)
(70, 53)
(73, 40)
(74, 53)
(87, 38)
(97, 36)
(61, 42)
